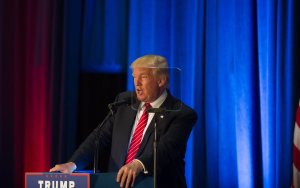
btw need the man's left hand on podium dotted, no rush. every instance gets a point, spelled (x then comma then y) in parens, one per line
(127, 174)
(64, 168)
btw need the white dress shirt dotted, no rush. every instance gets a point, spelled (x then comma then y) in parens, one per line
(155, 104)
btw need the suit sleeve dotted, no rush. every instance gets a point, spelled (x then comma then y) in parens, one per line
(83, 156)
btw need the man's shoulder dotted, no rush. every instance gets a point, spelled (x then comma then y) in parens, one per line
(179, 106)
(186, 108)
(178, 109)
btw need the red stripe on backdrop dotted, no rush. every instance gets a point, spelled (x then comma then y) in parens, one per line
(32, 91)
(296, 156)
(19, 88)
(298, 116)
(31, 61)
(296, 150)
(37, 115)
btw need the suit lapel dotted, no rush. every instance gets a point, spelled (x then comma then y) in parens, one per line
(129, 117)
(124, 131)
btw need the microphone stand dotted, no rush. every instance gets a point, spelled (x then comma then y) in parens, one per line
(155, 154)
(98, 129)
(155, 111)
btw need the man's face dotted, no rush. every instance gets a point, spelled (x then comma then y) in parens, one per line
(147, 85)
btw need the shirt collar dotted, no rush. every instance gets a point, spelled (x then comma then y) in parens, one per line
(158, 102)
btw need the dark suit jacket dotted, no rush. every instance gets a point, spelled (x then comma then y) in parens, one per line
(173, 130)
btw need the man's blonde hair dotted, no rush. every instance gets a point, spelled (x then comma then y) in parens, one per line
(158, 63)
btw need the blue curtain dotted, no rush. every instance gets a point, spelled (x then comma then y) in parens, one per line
(238, 62)
(104, 36)
(238, 59)
(174, 29)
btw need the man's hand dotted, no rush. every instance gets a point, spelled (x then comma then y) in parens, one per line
(64, 168)
(127, 174)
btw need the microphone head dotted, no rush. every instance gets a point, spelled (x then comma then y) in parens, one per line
(118, 103)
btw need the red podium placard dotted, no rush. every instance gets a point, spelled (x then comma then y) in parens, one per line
(57, 180)
(80, 180)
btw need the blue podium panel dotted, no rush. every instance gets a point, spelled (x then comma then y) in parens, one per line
(80, 180)
(57, 180)
(108, 180)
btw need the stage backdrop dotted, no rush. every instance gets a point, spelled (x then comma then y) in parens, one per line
(240, 65)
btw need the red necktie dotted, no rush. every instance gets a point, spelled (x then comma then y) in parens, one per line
(137, 135)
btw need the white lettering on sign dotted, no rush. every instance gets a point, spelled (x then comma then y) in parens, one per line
(41, 182)
(47, 184)
(56, 184)
(63, 184)
(71, 184)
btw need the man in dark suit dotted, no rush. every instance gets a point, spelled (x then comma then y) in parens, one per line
(128, 135)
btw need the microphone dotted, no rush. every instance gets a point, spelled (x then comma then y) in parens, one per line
(114, 105)
(118, 103)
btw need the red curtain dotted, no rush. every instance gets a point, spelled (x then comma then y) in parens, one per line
(26, 83)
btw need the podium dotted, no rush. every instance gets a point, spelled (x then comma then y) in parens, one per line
(80, 180)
